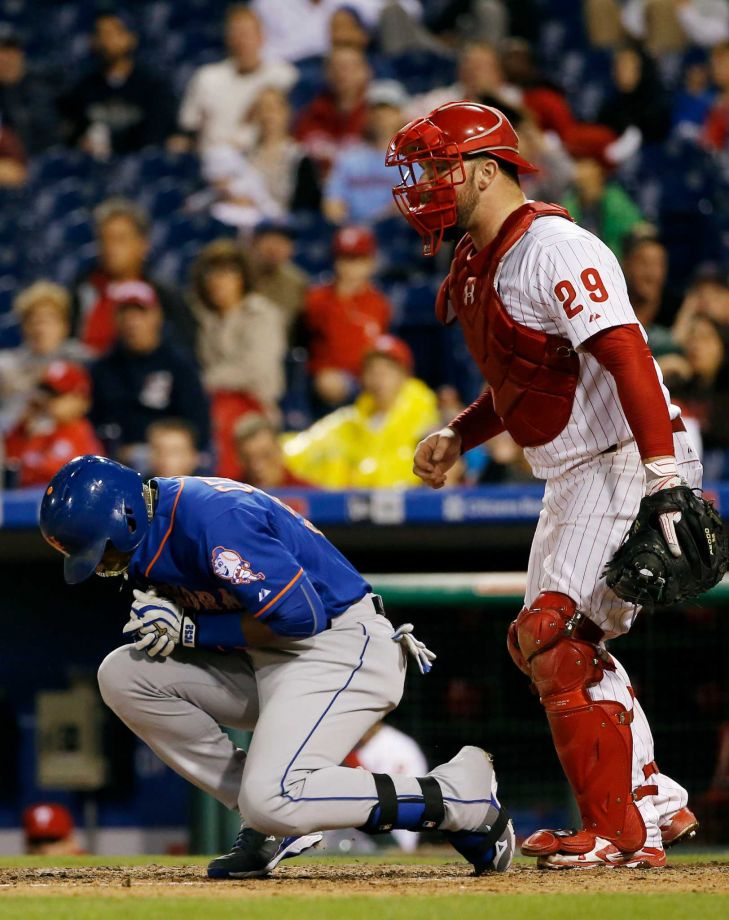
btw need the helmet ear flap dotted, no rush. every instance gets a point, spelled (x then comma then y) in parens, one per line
(131, 519)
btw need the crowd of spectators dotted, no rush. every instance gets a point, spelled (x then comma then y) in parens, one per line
(216, 279)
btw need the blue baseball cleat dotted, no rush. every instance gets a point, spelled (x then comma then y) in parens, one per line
(254, 855)
(489, 847)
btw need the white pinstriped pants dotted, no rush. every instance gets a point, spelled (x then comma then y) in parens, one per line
(587, 512)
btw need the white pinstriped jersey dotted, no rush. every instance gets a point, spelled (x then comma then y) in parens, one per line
(561, 279)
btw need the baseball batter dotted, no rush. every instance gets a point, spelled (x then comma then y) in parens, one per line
(545, 313)
(246, 616)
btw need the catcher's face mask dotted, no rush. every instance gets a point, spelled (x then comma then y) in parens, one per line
(429, 153)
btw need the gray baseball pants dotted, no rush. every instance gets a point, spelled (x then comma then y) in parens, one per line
(307, 705)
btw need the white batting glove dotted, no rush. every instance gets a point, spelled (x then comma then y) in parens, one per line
(662, 473)
(156, 623)
(419, 651)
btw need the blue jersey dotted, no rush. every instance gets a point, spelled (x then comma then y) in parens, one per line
(220, 545)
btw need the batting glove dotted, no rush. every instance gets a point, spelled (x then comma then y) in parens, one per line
(422, 655)
(660, 474)
(157, 625)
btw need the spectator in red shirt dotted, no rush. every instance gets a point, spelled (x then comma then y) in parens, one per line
(337, 116)
(345, 317)
(716, 128)
(54, 428)
(261, 457)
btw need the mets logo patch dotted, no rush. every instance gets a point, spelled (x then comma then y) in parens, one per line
(231, 566)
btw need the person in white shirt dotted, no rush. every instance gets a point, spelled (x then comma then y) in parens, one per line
(219, 96)
(384, 749)
(664, 26)
(299, 29)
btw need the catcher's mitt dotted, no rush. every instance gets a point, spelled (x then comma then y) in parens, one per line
(644, 571)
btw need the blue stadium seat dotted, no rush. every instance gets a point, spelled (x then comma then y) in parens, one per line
(57, 199)
(313, 243)
(420, 71)
(418, 305)
(162, 198)
(60, 163)
(310, 83)
(154, 18)
(9, 327)
(296, 404)
(158, 163)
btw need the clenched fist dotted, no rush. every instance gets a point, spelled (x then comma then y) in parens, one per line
(435, 455)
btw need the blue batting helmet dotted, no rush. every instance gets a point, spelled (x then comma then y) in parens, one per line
(90, 502)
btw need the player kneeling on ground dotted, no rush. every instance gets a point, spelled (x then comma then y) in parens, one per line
(245, 615)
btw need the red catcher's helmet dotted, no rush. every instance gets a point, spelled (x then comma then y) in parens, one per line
(444, 138)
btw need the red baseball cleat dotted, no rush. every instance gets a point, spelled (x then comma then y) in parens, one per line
(583, 850)
(680, 829)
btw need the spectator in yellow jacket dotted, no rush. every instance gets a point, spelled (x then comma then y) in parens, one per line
(370, 443)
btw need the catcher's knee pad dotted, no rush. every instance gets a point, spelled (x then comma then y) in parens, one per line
(549, 640)
(593, 739)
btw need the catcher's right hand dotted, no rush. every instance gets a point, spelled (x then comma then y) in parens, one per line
(435, 455)
(662, 473)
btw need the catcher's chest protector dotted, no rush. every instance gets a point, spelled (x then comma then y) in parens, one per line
(533, 375)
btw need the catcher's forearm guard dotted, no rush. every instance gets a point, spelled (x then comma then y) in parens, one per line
(643, 570)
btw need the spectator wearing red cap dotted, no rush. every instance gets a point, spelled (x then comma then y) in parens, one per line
(54, 428)
(345, 317)
(48, 831)
(143, 378)
(370, 443)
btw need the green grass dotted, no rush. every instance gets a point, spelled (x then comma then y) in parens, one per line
(460, 906)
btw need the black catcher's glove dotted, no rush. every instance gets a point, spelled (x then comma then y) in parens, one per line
(643, 570)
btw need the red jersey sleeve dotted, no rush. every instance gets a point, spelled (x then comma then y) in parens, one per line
(478, 422)
(623, 351)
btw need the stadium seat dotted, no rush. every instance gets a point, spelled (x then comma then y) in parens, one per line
(420, 71)
(60, 163)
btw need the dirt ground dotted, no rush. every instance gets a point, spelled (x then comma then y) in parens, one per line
(350, 878)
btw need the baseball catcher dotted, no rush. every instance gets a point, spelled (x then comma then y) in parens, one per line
(545, 313)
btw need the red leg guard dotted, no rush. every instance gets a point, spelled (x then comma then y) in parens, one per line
(512, 644)
(593, 739)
